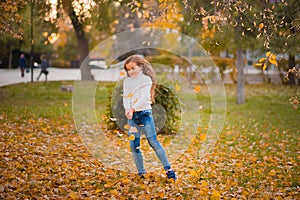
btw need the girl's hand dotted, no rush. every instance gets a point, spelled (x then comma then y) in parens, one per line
(129, 113)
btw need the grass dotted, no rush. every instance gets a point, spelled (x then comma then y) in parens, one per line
(257, 155)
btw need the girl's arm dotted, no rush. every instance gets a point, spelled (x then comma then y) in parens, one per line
(126, 99)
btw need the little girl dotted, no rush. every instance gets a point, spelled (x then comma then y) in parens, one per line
(138, 94)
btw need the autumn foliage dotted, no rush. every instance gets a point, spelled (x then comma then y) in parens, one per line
(43, 157)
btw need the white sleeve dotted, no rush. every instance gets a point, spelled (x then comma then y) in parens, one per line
(126, 100)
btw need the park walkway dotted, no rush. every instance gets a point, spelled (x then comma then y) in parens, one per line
(13, 76)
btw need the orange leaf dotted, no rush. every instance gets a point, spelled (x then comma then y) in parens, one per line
(197, 88)
(122, 73)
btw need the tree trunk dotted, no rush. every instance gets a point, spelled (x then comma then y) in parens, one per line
(239, 64)
(81, 39)
(10, 57)
(292, 64)
(240, 76)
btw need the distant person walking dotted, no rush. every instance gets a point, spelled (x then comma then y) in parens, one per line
(44, 66)
(22, 64)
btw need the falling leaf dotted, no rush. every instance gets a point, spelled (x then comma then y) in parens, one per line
(129, 95)
(126, 126)
(262, 60)
(177, 88)
(268, 54)
(264, 67)
(197, 88)
(258, 64)
(272, 59)
(138, 4)
(133, 129)
(131, 137)
(122, 73)
(135, 101)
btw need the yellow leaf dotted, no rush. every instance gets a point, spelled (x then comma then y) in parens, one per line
(127, 126)
(126, 181)
(74, 196)
(204, 184)
(138, 4)
(129, 95)
(262, 60)
(98, 191)
(268, 54)
(264, 67)
(202, 137)
(258, 64)
(272, 59)
(177, 87)
(131, 137)
(272, 172)
(114, 192)
(135, 101)
(197, 88)
(215, 195)
(194, 173)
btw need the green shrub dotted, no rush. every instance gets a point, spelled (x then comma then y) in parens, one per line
(168, 60)
(166, 110)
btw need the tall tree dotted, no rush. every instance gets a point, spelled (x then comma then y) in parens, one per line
(247, 19)
(78, 11)
(81, 39)
(285, 37)
(10, 18)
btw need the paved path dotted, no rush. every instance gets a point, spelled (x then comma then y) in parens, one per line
(13, 76)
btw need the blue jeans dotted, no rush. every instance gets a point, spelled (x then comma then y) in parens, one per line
(144, 123)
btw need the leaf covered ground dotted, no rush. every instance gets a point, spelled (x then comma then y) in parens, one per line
(43, 157)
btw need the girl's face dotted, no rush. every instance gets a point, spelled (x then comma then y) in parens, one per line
(133, 69)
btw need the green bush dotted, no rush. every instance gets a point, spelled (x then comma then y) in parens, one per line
(168, 60)
(166, 110)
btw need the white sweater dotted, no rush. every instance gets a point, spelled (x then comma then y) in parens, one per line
(136, 92)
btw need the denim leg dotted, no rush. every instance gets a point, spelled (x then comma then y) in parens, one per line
(136, 153)
(150, 133)
(160, 152)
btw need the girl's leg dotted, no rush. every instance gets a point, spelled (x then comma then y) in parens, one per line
(160, 152)
(150, 133)
(136, 152)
